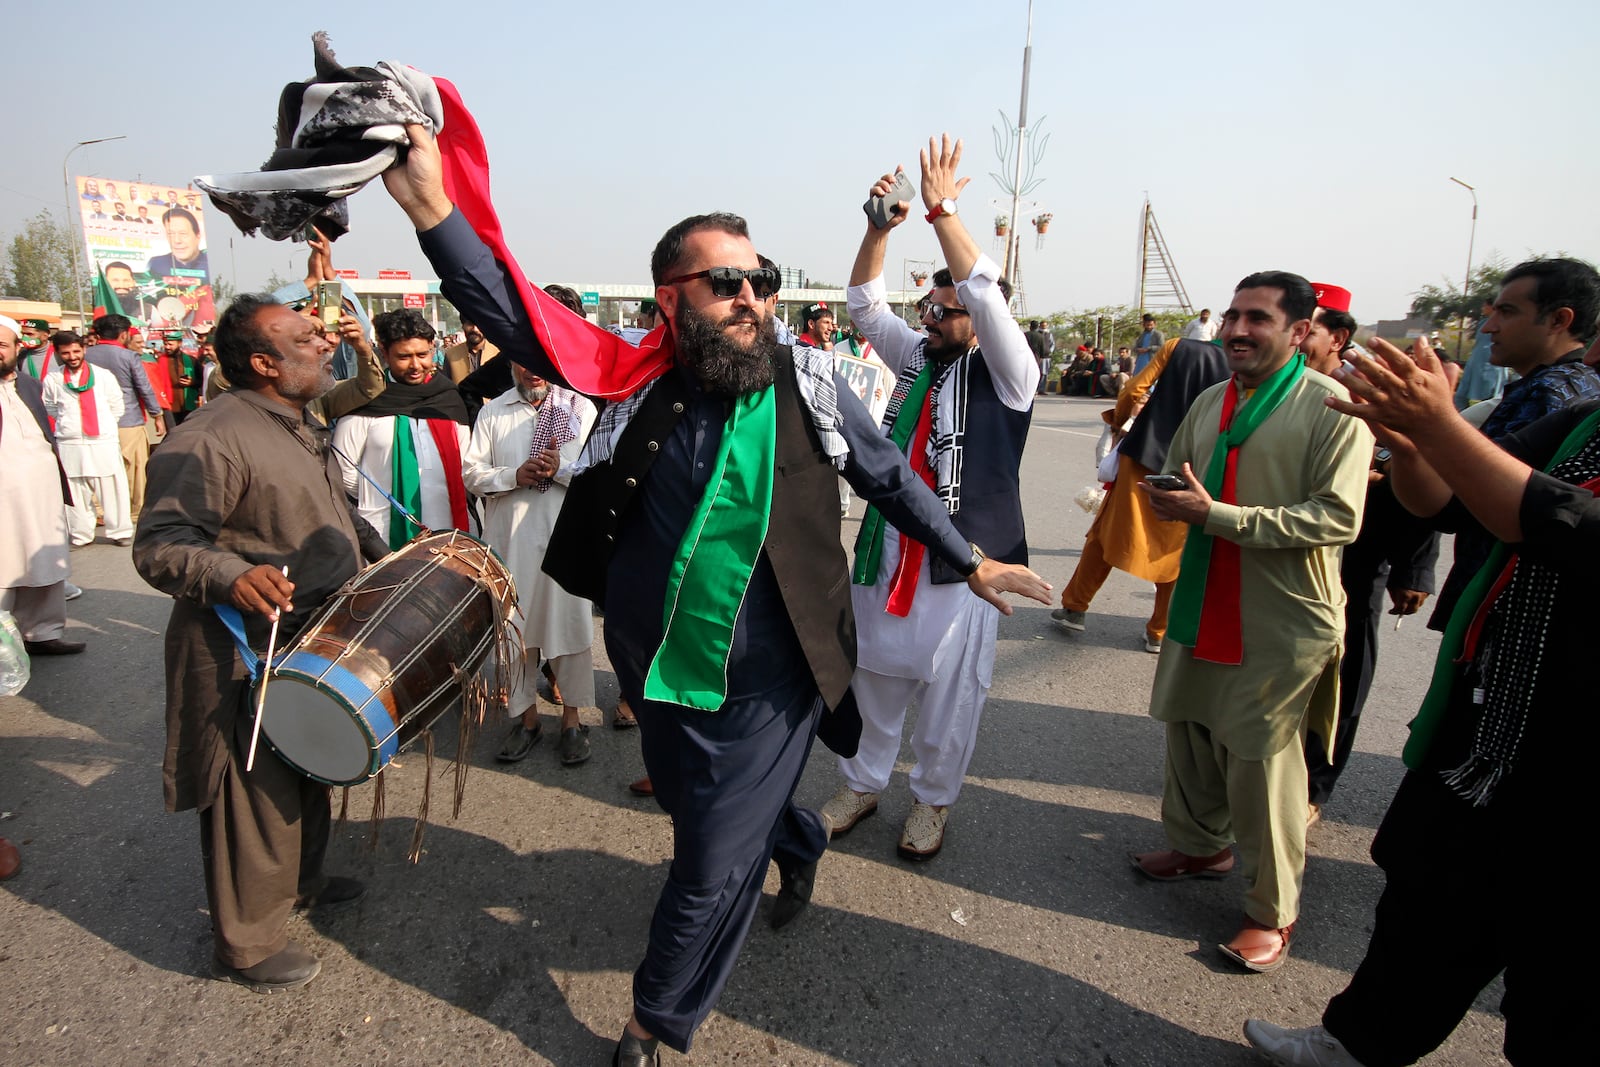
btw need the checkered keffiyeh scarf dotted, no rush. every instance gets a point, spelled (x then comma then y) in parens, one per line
(947, 438)
(555, 425)
(814, 375)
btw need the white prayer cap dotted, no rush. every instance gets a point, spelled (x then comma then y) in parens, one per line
(13, 325)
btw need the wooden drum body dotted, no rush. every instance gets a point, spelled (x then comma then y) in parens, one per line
(386, 656)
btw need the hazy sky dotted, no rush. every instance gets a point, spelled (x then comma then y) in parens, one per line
(1311, 137)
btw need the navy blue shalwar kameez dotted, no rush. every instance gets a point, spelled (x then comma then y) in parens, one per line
(726, 778)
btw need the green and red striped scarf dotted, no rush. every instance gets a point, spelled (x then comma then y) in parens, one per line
(1205, 612)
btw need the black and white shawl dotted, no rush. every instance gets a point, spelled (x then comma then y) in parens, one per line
(946, 438)
(336, 132)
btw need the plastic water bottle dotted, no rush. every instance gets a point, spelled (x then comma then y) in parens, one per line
(14, 667)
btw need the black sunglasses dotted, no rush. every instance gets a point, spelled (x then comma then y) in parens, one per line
(937, 312)
(727, 281)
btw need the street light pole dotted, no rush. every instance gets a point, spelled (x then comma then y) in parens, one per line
(1009, 270)
(72, 234)
(1466, 282)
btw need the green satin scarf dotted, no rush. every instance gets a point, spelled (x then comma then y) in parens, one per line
(714, 561)
(406, 479)
(1189, 596)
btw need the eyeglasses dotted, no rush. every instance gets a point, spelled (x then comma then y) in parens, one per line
(727, 281)
(937, 312)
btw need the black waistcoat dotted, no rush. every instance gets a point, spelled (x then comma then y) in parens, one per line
(802, 542)
(990, 515)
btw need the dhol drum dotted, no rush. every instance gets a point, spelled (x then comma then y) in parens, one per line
(386, 656)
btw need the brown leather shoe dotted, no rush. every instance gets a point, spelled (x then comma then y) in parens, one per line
(1259, 948)
(54, 647)
(643, 787)
(10, 859)
(291, 968)
(1170, 865)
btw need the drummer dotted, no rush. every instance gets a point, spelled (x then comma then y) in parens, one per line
(240, 491)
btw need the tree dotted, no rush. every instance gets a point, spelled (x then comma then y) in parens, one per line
(274, 282)
(37, 263)
(1110, 327)
(1446, 305)
(223, 291)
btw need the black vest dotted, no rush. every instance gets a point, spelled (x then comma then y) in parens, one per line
(991, 489)
(802, 537)
(1192, 368)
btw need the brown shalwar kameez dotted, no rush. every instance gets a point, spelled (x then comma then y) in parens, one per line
(242, 482)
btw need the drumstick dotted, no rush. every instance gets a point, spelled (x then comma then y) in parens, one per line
(261, 694)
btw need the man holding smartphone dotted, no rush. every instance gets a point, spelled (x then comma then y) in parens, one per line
(1250, 662)
(960, 410)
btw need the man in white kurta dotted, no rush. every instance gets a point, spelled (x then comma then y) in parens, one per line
(428, 410)
(368, 441)
(523, 488)
(33, 518)
(940, 648)
(90, 449)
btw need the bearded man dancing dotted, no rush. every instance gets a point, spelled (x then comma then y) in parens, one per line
(709, 489)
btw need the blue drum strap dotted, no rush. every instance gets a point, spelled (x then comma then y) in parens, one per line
(401, 508)
(235, 623)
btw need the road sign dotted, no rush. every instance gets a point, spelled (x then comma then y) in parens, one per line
(591, 299)
(414, 300)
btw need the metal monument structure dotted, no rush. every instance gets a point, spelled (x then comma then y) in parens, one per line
(1021, 150)
(1159, 284)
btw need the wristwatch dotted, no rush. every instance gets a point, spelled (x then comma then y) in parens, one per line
(946, 206)
(977, 560)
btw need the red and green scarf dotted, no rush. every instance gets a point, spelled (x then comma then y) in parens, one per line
(406, 477)
(912, 425)
(88, 411)
(1205, 604)
(1462, 632)
(37, 361)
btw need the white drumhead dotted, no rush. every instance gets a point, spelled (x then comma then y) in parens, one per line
(315, 732)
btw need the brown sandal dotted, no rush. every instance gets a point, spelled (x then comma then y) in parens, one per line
(622, 718)
(1259, 948)
(1170, 865)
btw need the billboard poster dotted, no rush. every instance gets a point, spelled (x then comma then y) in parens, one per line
(147, 252)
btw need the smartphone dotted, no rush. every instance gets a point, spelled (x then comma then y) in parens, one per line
(330, 297)
(881, 208)
(1167, 483)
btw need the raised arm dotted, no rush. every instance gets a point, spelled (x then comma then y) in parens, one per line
(1005, 350)
(867, 296)
(1436, 453)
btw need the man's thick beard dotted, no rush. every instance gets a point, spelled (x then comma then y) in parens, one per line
(722, 365)
(946, 351)
(533, 394)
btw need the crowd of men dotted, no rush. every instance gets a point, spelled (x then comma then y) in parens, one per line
(1274, 481)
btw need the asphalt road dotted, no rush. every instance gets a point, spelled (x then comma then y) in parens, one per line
(1028, 941)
